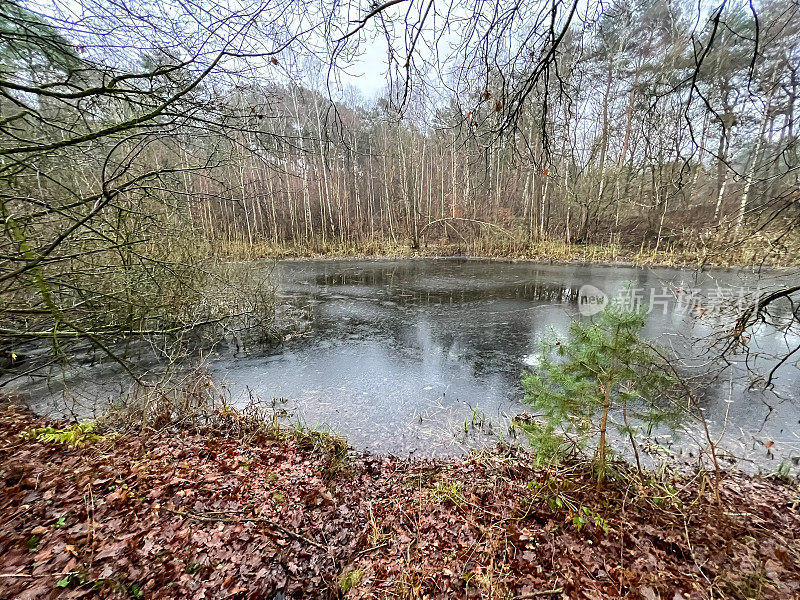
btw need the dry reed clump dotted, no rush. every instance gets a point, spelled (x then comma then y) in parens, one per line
(189, 400)
(710, 249)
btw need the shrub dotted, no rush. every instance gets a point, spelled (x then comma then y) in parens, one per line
(602, 365)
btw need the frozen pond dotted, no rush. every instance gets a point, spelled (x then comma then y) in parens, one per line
(423, 356)
(401, 353)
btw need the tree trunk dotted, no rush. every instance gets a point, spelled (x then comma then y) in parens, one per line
(601, 450)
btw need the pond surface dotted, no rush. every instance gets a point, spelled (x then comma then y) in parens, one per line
(423, 357)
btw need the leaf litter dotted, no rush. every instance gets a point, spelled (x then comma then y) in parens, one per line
(200, 515)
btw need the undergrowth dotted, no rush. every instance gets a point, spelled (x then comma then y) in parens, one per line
(404, 528)
(710, 251)
(330, 445)
(74, 435)
(350, 579)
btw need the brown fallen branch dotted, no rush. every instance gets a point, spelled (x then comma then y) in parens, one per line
(539, 594)
(446, 221)
(371, 549)
(262, 520)
(32, 575)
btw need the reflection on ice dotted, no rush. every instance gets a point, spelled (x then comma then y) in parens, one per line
(424, 356)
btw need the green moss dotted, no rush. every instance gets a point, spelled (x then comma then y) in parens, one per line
(350, 579)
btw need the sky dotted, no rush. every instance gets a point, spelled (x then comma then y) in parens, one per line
(76, 19)
(368, 71)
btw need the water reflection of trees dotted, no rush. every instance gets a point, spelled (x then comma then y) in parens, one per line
(492, 330)
(406, 290)
(492, 327)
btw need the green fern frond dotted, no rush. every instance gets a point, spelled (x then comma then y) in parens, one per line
(76, 435)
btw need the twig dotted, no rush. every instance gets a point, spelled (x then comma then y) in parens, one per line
(372, 13)
(367, 550)
(265, 521)
(32, 575)
(540, 593)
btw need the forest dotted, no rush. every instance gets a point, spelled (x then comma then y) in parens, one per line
(297, 299)
(653, 129)
(642, 131)
(631, 143)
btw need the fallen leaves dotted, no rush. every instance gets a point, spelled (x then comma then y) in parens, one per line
(193, 516)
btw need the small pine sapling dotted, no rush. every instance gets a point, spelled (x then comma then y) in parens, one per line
(602, 366)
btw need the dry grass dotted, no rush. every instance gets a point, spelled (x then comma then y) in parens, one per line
(716, 250)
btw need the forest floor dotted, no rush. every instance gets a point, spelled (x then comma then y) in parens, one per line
(293, 515)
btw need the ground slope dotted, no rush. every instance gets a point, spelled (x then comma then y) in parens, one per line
(198, 515)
